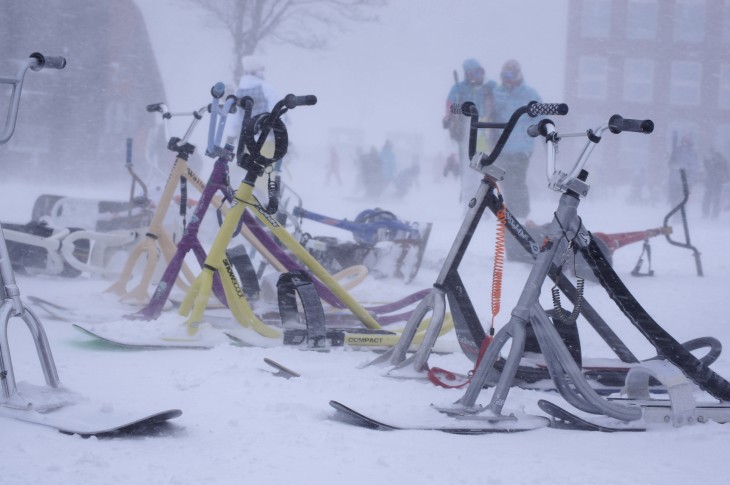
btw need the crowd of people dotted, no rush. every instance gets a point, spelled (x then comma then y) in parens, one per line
(377, 169)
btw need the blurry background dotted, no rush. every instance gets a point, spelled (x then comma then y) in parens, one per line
(381, 71)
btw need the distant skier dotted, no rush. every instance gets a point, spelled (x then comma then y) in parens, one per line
(474, 89)
(251, 84)
(511, 94)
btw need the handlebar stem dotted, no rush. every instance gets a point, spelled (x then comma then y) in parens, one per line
(16, 84)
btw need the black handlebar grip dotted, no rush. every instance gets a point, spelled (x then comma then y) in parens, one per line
(292, 101)
(129, 151)
(50, 62)
(546, 109)
(467, 109)
(154, 107)
(245, 100)
(617, 124)
(218, 90)
(539, 128)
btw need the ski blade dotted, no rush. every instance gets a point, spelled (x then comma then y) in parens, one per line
(563, 419)
(350, 416)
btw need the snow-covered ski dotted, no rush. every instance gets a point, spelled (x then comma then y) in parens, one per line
(562, 419)
(72, 413)
(352, 338)
(59, 312)
(476, 426)
(85, 422)
(142, 342)
(283, 371)
(150, 424)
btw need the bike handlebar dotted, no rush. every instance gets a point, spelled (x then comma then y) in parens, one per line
(175, 143)
(50, 62)
(218, 115)
(546, 109)
(617, 124)
(532, 109)
(157, 107)
(562, 181)
(293, 101)
(36, 61)
(218, 90)
(249, 155)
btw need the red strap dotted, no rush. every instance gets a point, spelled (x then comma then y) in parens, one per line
(450, 380)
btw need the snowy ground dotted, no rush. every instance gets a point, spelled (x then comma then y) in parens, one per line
(241, 424)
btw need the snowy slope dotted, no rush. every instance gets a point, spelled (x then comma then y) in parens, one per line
(241, 423)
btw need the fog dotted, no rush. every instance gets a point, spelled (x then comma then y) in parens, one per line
(380, 79)
(375, 81)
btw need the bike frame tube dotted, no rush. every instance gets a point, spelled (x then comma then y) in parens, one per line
(12, 305)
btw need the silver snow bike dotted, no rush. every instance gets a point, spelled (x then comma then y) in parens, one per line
(50, 405)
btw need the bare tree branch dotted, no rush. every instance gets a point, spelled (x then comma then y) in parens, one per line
(308, 24)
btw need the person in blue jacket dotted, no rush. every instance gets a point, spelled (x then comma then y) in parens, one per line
(511, 94)
(472, 88)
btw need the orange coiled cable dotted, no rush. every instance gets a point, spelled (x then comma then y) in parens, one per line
(450, 380)
(499, 247)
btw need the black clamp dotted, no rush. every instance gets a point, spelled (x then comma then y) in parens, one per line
(300, 282)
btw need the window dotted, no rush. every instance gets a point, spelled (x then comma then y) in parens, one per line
(724, 86)
(642, 17)
(638, 80)
(689, 21)
(596, 18)
(592, 77)
(722, 139)
(685, 83)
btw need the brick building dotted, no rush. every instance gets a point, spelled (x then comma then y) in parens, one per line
(668, 60)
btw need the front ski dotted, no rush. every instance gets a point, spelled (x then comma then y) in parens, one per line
(353, 338)
(138, 342)
(72, 413)
(148, 425)
(350, 416)
(563, 419)
(55, 311)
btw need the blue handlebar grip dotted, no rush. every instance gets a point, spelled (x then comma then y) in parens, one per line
(218, 90)
(546, 109)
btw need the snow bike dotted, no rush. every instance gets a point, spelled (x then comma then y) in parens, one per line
(250, 158)
(382, 242)
(676, 369)
(67, 236)
(51, 405)
(254, 232)
(218, 181)
(157, 238)
(605, 377)
(98, 215)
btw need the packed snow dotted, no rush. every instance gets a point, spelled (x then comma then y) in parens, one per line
(242, 423)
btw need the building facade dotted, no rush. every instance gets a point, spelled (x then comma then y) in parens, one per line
(667, 60)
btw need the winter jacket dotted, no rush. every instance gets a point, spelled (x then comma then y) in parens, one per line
(506, 101)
